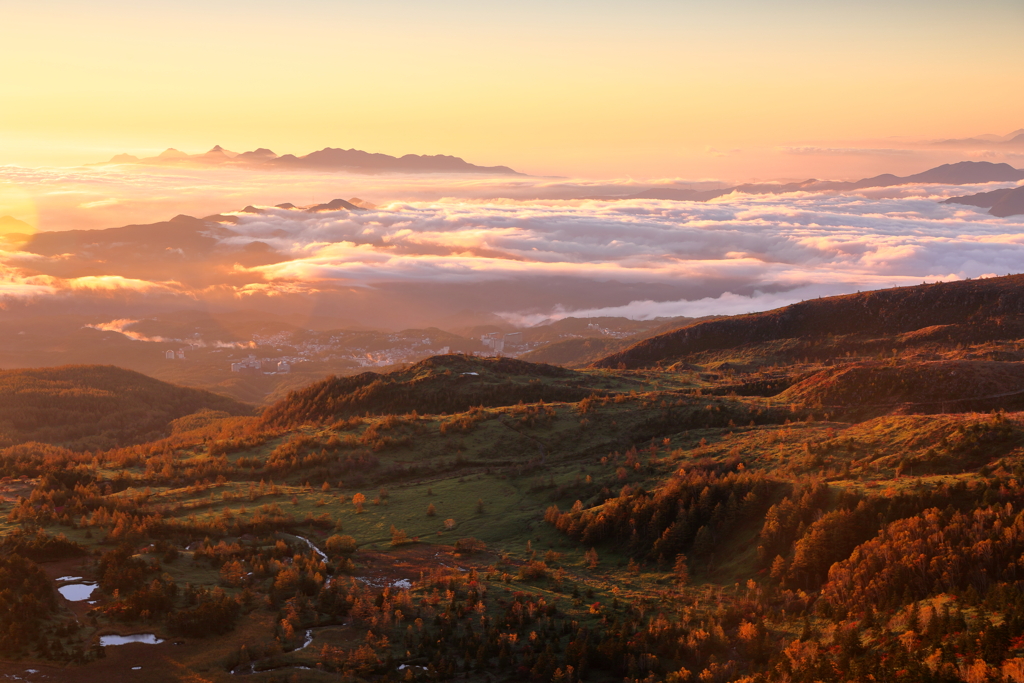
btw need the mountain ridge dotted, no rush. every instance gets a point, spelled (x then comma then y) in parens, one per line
(1001, 203)
(959, 173)
(992, 307)
(326, 159)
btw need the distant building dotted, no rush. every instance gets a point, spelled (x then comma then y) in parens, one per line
(445, 350)
(490, 338)
(250, 365)
(169, 355)
(181, 355)
(284, 367)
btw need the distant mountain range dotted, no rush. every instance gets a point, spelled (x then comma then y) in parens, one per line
(1002, 203)
(1014, 139)
(326, 159)
(961, 173)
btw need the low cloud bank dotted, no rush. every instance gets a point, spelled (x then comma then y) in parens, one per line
(533, 260)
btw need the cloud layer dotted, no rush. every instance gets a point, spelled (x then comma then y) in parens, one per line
(414, 262)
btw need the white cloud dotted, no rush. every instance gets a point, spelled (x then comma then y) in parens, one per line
(737, 254)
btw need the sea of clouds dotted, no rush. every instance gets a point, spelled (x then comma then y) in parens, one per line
(759, 252)
(583, 257)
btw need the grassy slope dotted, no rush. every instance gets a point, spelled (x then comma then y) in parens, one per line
(519, 459)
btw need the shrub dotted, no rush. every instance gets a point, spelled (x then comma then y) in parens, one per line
(341, 545)
(533, 570)
(470, 545)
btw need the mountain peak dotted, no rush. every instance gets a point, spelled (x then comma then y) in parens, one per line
(12, 224)
(220, 151)
(171, 153)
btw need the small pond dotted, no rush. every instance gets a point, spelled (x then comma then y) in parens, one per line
(147, 638)
(76, 592)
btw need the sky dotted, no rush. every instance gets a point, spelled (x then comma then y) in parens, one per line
(587, 99)
(734, 89)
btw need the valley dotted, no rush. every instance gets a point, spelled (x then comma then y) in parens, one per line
(722, 512)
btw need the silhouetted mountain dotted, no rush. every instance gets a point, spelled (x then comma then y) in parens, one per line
(332, 158)
(10, 224)
(170, 154)
(335, 205)
(1002, 203)
(96, 406)
(261, 154)
(329, 158)
(1014, 139)
(183, 249)
(965, 311)
(1011, 204)
(960, 173)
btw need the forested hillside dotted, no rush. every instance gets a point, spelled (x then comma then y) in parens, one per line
(795, 509)
(442, 384)
(965, 312)
(94, 406)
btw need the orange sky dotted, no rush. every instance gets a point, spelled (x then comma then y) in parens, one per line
(648, 89)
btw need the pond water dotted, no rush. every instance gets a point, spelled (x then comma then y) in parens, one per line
(76, 592)
(147, 638)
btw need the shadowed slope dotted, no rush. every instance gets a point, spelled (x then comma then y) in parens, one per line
(96, 406)
(972, 310)
(941, 386)
(1002, 203)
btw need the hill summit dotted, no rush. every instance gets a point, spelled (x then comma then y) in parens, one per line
(440, 384)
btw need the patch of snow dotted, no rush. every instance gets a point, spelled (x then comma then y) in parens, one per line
(69, 578)
(402, 583)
